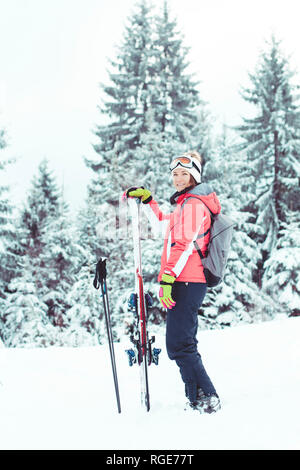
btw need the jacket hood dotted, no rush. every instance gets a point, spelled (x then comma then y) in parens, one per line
(204, 192)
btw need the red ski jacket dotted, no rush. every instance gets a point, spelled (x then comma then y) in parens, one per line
(190, 221)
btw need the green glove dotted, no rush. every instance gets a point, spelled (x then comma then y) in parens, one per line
(165, 291)
(142, 193)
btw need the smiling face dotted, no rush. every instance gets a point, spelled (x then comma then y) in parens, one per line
(181, 179)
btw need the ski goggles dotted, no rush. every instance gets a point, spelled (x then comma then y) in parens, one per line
(185, 162)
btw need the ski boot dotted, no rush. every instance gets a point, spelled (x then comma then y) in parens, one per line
(211, 404)
(205, 403)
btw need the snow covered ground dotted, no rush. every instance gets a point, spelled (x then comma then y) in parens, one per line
(63, 398)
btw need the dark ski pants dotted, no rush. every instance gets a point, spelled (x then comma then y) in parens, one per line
(181, 341)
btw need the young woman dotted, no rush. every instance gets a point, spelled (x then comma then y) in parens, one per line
(181, 277)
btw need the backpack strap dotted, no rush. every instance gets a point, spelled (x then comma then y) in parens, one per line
(198, 247)
(202, 256)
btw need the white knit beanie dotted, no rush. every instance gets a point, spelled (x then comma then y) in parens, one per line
(195, 171)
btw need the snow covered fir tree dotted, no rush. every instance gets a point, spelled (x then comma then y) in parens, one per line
(271, 142)
(152, 108)
(7, 229)
(47, 261)
(238, 298)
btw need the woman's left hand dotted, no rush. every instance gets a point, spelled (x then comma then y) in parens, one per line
(165, 291)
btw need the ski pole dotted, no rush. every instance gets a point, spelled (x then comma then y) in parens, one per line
(100, 279)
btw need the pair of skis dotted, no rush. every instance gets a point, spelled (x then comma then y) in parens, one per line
(142, 352)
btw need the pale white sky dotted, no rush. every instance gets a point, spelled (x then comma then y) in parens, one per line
(53, 55)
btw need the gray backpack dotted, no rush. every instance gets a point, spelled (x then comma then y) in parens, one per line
(214, 261)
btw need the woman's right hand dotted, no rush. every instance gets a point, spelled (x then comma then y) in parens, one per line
(141, 193)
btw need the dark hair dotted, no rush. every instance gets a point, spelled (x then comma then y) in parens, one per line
(193, 181)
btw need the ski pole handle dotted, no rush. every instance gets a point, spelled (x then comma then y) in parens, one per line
(100, 274)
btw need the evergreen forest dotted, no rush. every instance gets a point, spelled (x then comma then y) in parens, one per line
(152, 110)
